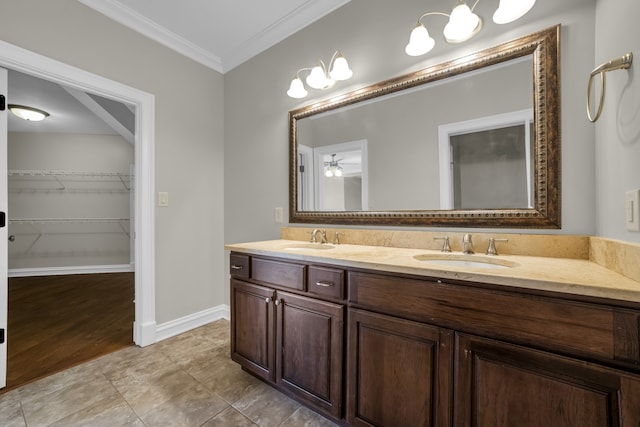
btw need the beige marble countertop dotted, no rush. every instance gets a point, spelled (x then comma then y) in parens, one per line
(573, 276)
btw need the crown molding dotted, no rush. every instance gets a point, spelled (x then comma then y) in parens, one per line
(286, 26)
(289, 24)
(143, 25)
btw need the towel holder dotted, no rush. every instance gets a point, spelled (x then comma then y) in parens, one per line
(622, 62)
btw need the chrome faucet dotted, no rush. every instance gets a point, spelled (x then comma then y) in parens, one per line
(467, 244)
(323, 236)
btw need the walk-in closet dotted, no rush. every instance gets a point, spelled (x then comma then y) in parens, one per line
(71, 258)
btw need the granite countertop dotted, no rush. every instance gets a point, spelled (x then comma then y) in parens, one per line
(572, 276)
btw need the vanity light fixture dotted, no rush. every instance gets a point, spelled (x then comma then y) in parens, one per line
(463, 24)
(321, 76)
(28, 113)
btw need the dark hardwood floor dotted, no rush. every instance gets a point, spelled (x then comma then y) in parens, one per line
(56, 322)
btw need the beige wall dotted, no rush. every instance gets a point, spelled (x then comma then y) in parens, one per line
(188, 136)
(618, 129)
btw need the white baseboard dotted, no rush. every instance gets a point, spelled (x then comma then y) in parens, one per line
(192, 321)
(83, 269)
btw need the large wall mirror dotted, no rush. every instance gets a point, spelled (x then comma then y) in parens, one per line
(473, 142)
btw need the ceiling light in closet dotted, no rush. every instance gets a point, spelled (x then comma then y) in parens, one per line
(28, 113)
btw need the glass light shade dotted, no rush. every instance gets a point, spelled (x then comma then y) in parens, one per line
(510, 10)
(338, 172)
(463, 24)
(317, 79)
(420, 42)
(328, 173)
(28, 113)
(340, 70)
(297, 90)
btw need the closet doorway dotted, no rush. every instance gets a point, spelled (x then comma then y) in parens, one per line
(142, 332)
(71, 255)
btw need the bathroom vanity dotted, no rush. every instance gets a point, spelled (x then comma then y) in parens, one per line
(375, 336)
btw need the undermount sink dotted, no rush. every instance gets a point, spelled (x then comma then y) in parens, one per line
(469, 261)
(312, 246)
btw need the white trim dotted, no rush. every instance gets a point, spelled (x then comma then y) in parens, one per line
(288, 25)
(305, 154)
(446, 131)
(148, 28)
(192, 321)
(27, 62)
(293, 22)
(61, 271)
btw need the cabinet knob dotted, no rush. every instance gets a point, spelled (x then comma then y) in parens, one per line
(277, 302)
(267, 300)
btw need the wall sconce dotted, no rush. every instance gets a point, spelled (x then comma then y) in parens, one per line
(28, 113)
(320, 76)
(464, 24)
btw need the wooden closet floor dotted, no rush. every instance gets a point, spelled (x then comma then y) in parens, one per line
(56, 322)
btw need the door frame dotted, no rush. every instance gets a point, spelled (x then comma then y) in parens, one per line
(22, 60)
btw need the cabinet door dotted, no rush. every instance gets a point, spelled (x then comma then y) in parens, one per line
(399, 372)
(309, 350)
(499, 384)
(252, 328)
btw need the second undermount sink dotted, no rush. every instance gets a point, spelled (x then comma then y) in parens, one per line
(468, 261)
(312, 246)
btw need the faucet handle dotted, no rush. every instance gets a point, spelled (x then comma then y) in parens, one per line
(446, 246)
(336, 239)
(491, 250)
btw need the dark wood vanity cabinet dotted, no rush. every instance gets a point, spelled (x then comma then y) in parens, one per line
(399, 372)
(422, 352)
(503, 385)
(288, 338)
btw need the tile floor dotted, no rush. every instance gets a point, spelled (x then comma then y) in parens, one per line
(187, 380)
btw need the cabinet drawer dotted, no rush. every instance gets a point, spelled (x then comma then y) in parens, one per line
(579, 328)
(326, 282)
(277, 273)
(239, 265)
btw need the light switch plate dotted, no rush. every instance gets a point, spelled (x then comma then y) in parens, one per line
(163, 199)
(632, 210)
(279, 215)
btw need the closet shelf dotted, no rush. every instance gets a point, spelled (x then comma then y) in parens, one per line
(59, 176)
(63, 220)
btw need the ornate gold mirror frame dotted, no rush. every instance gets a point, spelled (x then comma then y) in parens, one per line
(545, 50)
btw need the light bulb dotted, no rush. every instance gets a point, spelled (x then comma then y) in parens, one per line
(463, 24)
(420, 42)
(317, 79)
(340, 70)
(510, 10)
(297, 90)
